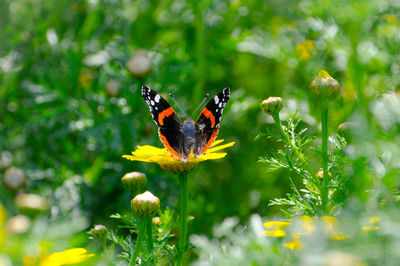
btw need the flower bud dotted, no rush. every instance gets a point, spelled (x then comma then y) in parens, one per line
(324, 87)
(139, 65)
(320, 174)
(31, 203)
(344, 130)
(156, 221)
(14, 178)
(272, 105)
(113, 88)
(98, 231)
(145, 204)
(134, 181)
(18, 224)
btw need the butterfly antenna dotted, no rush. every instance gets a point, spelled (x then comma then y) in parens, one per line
(177, 105)
(202, 102)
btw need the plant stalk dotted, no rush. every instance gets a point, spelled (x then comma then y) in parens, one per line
(149, 225)
(183, 215)
(138, 246)
(325, 181)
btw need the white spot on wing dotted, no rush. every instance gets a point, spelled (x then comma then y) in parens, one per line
(216, 99)
(220, 105)
(152, 102)
(157, 98)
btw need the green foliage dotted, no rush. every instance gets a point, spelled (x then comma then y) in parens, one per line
(70, 107)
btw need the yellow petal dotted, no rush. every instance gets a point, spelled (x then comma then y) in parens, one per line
(275, 233)
(368, 228)
(339, 236)
(69, 256)
(217, 148)
(295, 244)
(218, 141)
(374, 219)
(277, 224)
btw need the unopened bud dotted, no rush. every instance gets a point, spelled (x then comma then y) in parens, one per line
(31, 203)
(14, 178)
(139, 65)
(98, 231)
(113, 88)
(156, 221)
(272, 105)
(145, 204)
(320, 174)
(324, 87)
(18, 224)
(134, 181)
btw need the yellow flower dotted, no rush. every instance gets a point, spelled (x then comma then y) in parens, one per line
(330, 222)
(295, 244)
(374, 220)
(66, 257)
(371, 225)
(339, 236)
(305, 49)
(369, 228)
(275, 228)
(161, 156)
(308, 224)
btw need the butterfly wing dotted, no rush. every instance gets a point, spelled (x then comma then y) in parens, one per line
(207, 124)
(169, 124)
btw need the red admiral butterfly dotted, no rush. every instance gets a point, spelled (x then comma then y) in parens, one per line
(179, 138)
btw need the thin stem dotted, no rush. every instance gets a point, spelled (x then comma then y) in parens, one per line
(325, 181)
(138, 246)
(183, 215)
(149, 233)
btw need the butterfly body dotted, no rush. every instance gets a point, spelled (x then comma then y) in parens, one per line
(182, 139)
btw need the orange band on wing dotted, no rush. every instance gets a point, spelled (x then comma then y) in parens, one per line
(207, 113)
(167, 112)
(211, 141)
(169, 148)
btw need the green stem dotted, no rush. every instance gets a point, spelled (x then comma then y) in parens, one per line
(183, 215)
(149, 233)
(138, 246)
(325, 181)
(291, 144)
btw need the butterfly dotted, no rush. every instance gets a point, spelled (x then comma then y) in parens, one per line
(181, 139)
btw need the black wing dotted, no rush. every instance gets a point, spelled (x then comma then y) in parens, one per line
(168, 122)
(207, 124)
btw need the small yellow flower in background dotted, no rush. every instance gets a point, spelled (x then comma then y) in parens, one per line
(66, 257)
(307, 223)
(275, 228)
(371, 225)
(161, 156)
(305, 49)
(339, 236)
(295, 243)
(375, 220)
(330, 222)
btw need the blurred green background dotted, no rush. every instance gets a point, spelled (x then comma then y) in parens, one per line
(70, 103)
